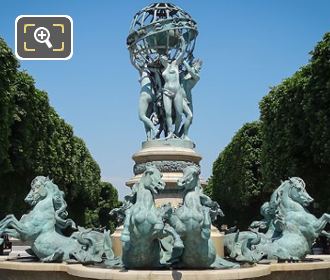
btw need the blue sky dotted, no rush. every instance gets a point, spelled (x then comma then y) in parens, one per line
(246, 46)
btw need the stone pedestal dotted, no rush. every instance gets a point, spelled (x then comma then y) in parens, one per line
(318, 269)
(170, 156)
(116, 242)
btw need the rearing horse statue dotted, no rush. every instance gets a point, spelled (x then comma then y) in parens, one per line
(192, 220)
(144, 226)
(42, 228)
(290, 228)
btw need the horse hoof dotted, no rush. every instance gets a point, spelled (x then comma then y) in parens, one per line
(178, 244)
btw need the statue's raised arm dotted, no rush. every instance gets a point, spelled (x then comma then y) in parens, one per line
(182, 51)
(194, 70)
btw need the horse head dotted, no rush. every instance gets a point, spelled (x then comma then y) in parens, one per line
(292, 189)
(298, 192)
(38, 190)
(152, 179)
(190, 178)
(41, 187)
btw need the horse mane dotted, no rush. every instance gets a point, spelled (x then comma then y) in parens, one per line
(275, 200)
(60, 205)
(276, 197)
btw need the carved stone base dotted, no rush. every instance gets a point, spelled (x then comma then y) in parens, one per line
(170, 156)
(318, 269)
(116, 242)
(218, 240)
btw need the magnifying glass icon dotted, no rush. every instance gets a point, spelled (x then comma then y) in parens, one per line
(41, 35)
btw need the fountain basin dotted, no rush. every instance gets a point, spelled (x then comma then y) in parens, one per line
(318, 269)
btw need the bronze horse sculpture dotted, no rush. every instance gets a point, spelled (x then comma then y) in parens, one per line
(192, 220)
(42, 228)
(290, 228)
(144, 225)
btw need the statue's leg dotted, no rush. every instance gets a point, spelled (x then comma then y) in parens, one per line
(8, 217)
(144, 102)
(12, 232)
(16, 230)
(322, 222)
(325, 233)
(188, 121)
(167, 101)
(12, 222)
(148, 131)
(178, 106)
(160, 130)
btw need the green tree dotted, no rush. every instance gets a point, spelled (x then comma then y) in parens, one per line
(236, 181)
(34, 140)
(99, 217)
(296, 127)
(291, 139)
(108, 201)
(8, 66)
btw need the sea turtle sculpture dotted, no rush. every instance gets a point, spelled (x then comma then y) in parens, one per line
(42, 228)
(290, 228)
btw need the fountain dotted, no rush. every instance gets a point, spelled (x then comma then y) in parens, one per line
(166, 220)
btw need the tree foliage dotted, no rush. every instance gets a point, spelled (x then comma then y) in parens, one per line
(108, 201)
(8, 66)
(296, 127)
(34, 140)
(292, 138)
(236, 182)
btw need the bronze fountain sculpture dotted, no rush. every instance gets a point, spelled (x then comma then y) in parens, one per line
(161, 42)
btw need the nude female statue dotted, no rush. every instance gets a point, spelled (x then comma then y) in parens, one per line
(188, 81)
(172, 93)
